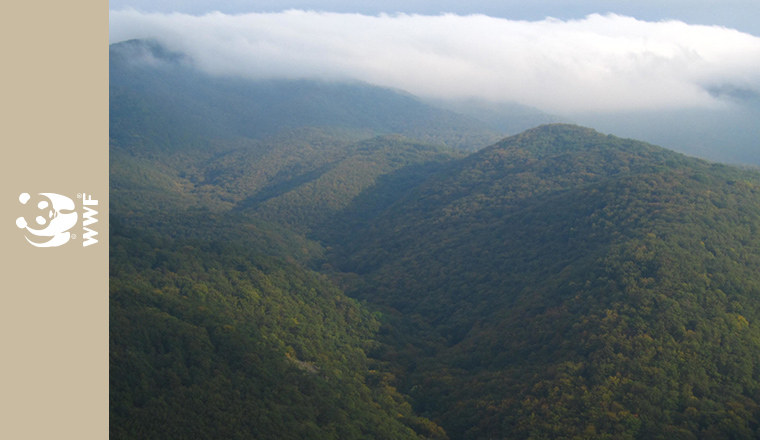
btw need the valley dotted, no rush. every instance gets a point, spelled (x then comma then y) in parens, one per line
(308, 259)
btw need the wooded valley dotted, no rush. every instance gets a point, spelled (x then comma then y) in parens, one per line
(303, 259)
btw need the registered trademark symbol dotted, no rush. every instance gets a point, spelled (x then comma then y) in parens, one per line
(73, 236)
(79, 195)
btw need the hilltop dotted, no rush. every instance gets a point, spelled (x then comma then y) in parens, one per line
(564, 283)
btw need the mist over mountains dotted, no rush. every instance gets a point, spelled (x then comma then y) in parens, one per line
(615, 73)
(295, 258)
(726, 134)
(190, 101)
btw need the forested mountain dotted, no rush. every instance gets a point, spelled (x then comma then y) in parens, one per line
(218, 327)
(295, 259)
(568, 284)
(213, 336)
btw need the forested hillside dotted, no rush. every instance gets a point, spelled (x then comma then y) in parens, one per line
(219, 329)
(295, 259)
(567, 284)
(215, 338)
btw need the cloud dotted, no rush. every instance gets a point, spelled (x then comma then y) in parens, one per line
(599, 63)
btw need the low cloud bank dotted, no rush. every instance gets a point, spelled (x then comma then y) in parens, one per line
(599, 63)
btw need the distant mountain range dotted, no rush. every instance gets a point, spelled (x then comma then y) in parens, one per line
(301, 259)
(152, 88)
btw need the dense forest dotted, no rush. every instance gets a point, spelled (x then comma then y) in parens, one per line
(215, 338)
(296, 259)
(568, 284)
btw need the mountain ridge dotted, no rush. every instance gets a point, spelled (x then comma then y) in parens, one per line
(529, 274)
(558, 283)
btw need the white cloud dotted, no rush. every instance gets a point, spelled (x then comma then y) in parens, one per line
(599, 63)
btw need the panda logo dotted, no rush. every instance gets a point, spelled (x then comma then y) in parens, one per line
(60, 217)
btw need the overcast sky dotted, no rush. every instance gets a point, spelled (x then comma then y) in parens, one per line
(558, 56)
(742, 15)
